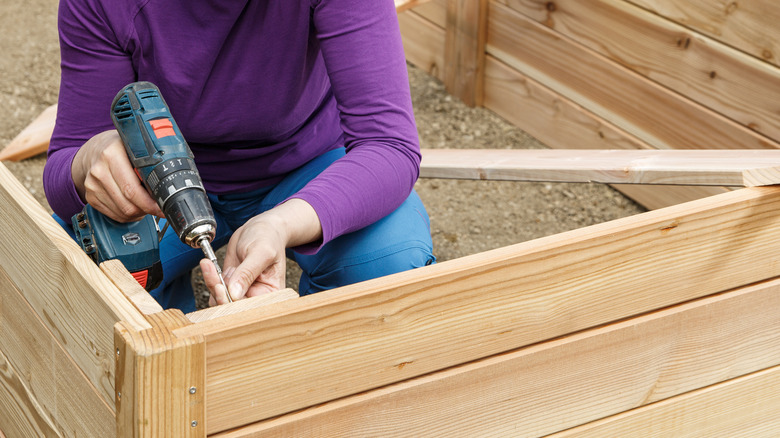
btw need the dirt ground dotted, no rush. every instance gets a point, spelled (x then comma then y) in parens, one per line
(467, 216)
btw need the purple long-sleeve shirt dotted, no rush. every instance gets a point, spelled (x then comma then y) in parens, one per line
(257, 87)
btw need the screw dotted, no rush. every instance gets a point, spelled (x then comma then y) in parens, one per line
(193, 390)
(119, 395)
(194, 423)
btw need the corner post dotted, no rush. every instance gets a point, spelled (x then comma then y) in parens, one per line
(464, 49)
(160, 379)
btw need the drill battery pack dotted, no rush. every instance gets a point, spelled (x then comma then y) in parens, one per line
(135, 244)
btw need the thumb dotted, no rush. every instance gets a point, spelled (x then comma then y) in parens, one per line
(244, 275)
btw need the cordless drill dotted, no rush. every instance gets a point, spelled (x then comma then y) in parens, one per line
(164, 163)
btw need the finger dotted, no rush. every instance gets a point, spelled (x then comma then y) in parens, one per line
(131, 187)
(247, 272)
(211, 278)
(127, 182)
(102, 189)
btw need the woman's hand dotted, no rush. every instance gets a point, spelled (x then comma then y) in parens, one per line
(106, 180)
(255, 261)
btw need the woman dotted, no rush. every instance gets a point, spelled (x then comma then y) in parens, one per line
(298, 113)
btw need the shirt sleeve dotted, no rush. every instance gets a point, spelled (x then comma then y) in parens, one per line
(363, 54)
(94, 67)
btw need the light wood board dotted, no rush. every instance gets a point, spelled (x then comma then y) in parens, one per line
(228, 309)
(41, 377)
(747, 406)
(397, 327)
(704, 70)
(566, 382)
(423, 43)
(161, 387)
(750, 26)
(561, 123)
(69, 293)
(653, 113)
(682, 167)
(34, 139)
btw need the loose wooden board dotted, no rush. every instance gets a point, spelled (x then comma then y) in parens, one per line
(324, 346)
(739, 168)
(561, 123)
(563, 383)
(34, 139)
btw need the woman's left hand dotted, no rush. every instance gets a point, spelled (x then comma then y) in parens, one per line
(255, 261)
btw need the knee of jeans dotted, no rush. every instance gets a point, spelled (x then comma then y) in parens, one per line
(387, 264)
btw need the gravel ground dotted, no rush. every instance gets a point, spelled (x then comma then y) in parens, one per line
(467, 217)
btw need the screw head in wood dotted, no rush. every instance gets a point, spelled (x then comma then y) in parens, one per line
(194, 423)
(193, 390)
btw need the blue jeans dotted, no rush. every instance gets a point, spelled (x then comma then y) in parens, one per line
(398, 242)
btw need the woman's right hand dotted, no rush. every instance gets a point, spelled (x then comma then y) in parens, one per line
(106, 180)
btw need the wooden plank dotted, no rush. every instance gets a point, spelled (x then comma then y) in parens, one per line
(724, 79)
(241, 305)
(747, 406)
(63, 285)
(317, 348)
(751, 26)
(423, 43)
(53, 392)
(563, 383)
(656, 197)
(403, 5)
(20, 414)
(138, 296)
(738, 168)
(652, 113)
(434, 11)
(161, 387)
(560, 123)
(34, 139)
(464, 49)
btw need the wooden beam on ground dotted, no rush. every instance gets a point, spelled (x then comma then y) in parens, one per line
(34, 139)
(394, 328)
(745, 168)
(567, 382)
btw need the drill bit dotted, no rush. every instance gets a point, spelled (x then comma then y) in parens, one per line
(205, 245)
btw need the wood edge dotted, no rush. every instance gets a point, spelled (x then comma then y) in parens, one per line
(138, 296)
(235, 307)
(764, 176)
(32, 140)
